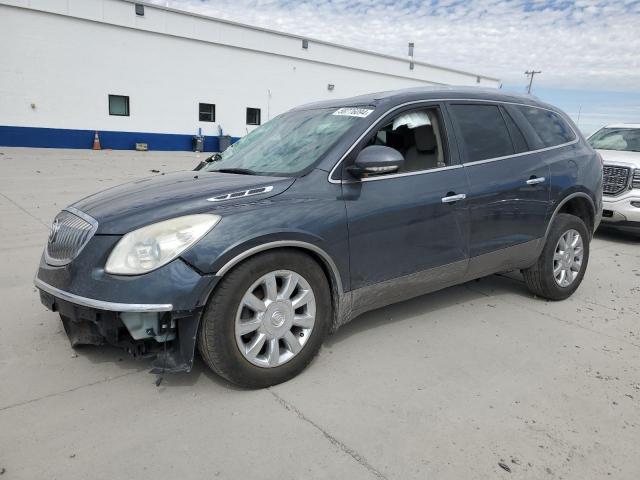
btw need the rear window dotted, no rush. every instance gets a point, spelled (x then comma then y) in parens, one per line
(484, 131)
(549, 126)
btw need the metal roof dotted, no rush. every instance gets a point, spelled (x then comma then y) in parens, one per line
(430, 93)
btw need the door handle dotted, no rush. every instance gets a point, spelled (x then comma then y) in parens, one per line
(535, 180)
(454, 198)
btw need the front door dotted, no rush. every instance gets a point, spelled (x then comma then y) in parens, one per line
(407, 229)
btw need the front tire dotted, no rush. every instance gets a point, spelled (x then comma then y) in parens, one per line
(561, 266)
(267, 319)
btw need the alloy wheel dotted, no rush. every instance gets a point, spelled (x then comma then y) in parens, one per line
(275, 318)
(567, 258)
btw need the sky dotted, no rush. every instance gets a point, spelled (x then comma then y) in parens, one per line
(588, 51)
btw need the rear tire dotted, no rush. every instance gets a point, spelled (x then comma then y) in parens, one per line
(561, 266)
(233, 308)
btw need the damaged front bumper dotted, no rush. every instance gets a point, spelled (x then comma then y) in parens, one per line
(143, 330)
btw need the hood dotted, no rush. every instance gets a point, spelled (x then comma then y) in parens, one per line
(620, 158)
(132, 205)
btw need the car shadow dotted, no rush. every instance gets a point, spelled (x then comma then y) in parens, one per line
(617, 235)
(109, 354)
(475, 290)
(98, 354)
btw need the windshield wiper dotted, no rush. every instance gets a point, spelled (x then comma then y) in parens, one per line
(240, 171)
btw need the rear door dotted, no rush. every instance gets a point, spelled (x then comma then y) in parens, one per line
(509, 186)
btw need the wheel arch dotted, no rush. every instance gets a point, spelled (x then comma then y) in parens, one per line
(579, 204)
(323, 259)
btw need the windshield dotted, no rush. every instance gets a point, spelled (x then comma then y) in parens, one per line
(625, 139)
(290, 143)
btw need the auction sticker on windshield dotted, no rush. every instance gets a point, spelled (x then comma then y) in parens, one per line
(353, 112)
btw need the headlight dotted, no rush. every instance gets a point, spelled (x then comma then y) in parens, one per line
(156, 245)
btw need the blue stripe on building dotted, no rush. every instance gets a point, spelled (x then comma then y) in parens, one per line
(67, 138)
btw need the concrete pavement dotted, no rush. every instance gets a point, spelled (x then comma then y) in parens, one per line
(444, 386)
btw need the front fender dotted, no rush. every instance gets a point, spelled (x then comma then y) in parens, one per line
(296, 219)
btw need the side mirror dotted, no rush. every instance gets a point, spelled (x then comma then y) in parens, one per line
(208, 160)
(376, 159)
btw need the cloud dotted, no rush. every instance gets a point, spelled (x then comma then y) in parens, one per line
(576, 44)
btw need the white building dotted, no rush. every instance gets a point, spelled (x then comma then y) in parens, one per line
(143, 73)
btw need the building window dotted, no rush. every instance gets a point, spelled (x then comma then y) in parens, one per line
(119, 105)
(139, 10)
(305, 44)
(253, 116)
(207, 112)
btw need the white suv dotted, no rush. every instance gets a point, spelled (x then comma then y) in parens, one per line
(619, 146)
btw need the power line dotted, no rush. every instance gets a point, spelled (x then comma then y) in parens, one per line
(530, 74)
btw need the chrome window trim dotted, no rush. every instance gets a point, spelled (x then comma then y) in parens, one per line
(94, 228)
(477, 162)
(101, 304)
(405, 174)
(284, 243)
(497, 159)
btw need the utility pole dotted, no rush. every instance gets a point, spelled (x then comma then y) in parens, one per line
(411, 64)
(579, 112)
(530, 74)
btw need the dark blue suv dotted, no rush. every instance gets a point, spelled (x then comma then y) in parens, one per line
(323, 213)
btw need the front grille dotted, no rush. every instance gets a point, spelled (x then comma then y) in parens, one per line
(635, 180)
(68, 235)
(615, 179)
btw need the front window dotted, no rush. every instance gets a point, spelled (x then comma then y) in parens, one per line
(624, 139)
(288, 144)
(416, 135)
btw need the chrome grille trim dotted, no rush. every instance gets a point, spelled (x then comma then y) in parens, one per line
(615, 179)
(635, 180)
(70, 231)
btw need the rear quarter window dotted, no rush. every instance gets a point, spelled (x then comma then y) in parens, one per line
(550, 127)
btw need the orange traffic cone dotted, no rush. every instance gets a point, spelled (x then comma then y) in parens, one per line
(96, 142)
